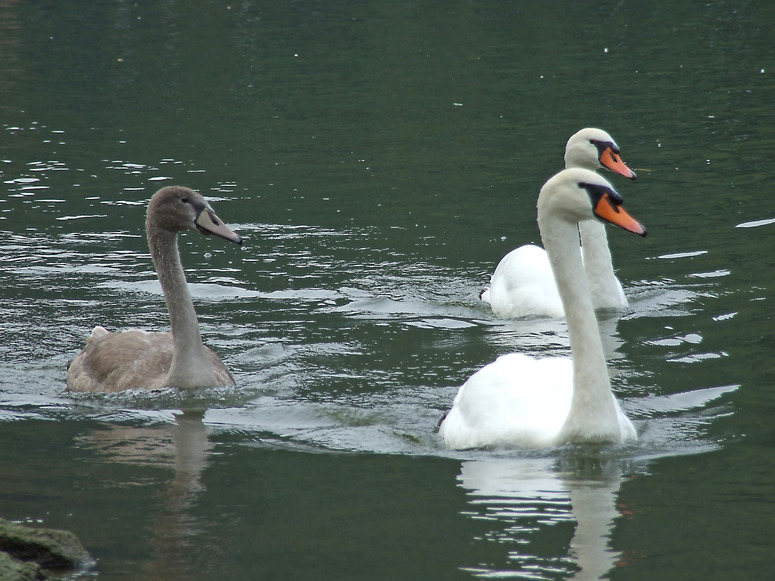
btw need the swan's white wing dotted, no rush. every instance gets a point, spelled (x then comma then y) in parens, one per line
(515, 400)
(523, 285)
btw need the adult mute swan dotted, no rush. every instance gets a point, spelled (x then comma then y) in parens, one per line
(134, 359)
(537, 402)
(523, 283)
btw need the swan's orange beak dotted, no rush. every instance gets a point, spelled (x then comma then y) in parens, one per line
(610, 211)
(610, 159)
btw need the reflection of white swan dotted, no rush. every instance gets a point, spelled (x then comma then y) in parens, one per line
(523, 283)
(525, 494)
(529, 402)
(112, 362)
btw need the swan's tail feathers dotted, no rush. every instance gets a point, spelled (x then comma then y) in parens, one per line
(484, 295)
(97, 333)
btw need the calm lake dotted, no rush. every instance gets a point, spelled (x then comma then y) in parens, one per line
(379, 159)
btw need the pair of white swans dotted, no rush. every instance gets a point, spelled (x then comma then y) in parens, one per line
(516, 400)
(538, 402)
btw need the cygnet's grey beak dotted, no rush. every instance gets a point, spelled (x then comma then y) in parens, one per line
(208, 223)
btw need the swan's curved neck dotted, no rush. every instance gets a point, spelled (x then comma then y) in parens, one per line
(593, 414)
(597, 257)
(188, 360)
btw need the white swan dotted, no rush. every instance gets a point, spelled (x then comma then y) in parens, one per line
(523, 284)
(537, 402)
(134, 359)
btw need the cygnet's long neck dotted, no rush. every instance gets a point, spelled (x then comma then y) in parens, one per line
(188, 359)
(592, 416)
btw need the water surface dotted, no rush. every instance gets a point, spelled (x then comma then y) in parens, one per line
(379, 160)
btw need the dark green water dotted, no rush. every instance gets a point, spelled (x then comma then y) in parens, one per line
(379, 159)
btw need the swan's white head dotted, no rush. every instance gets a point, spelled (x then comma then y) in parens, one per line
(579, 194)
(593, 149)
(176, 208)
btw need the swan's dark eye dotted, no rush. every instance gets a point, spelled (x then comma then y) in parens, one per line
(184, 200)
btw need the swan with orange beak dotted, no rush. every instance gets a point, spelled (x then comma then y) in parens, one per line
(523, 285)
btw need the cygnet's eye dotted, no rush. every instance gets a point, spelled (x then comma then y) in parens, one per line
(184, 200)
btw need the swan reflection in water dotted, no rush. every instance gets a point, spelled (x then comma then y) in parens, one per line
(183, 446)
(521, 497)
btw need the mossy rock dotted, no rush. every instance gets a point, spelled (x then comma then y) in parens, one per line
(13, 570)
(38, 549)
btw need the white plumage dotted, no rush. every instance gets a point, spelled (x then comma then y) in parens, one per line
(523, 284)
(536, 402)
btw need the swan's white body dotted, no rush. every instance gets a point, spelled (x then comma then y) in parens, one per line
(537, 402)
(134, 359)
(523, 285)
